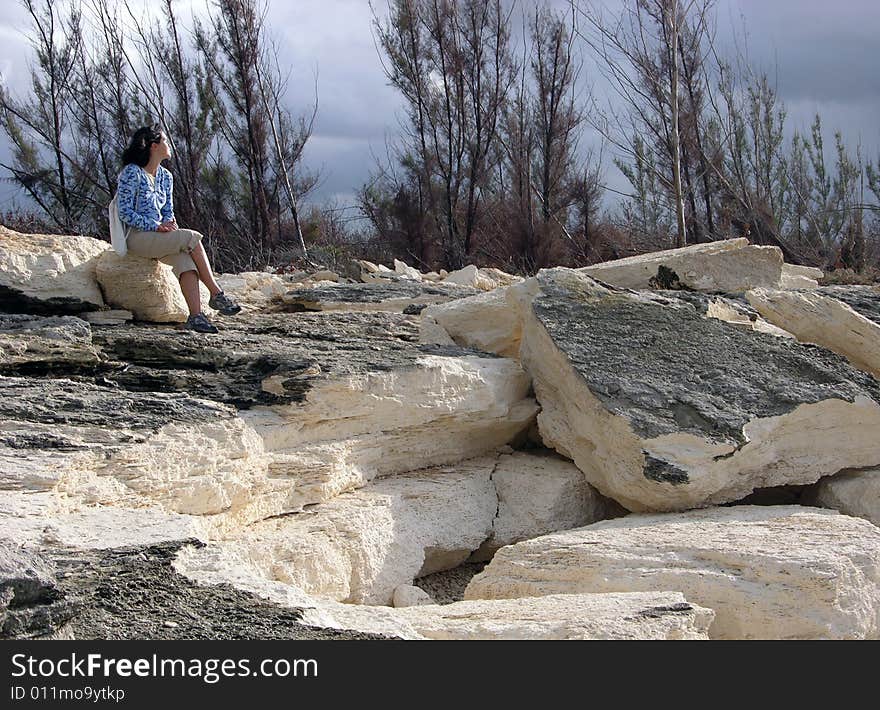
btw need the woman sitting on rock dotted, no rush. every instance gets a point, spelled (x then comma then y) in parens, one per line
(145, 204)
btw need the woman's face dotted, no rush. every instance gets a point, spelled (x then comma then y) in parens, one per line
(161, 149)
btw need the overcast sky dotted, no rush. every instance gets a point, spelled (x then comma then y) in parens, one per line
(824, 55)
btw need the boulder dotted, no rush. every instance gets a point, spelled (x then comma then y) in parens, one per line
(665, 409)
(501, 278)
(324, 275)
(406, 271)
(645, 616)
(378, 296)
(254, 290)
(408, 595)
(471, 276)
(485, 322)
(48, 274)
(814, 317)
(539, 494)
(362, 545)
(855, 493)
(783, 572)
(35, 344)
(146, 287)
(730, 266)
(799, 277)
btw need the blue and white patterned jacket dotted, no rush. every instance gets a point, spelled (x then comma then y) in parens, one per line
(154, 205)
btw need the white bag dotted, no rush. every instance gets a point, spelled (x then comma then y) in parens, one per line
(118, 230)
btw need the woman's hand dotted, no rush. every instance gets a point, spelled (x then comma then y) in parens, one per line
(168, 226)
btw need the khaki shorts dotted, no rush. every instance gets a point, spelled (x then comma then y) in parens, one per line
(168, 247)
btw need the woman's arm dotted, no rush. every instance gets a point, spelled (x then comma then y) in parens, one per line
(167, 210)
(127, 191)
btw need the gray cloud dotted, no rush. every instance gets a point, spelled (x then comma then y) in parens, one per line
(824, 55)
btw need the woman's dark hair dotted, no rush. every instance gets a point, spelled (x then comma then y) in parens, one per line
(138, 151)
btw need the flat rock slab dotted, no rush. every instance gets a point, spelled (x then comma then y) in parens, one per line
(149, 417)
(390, 296)
(361, 546)
(644, 616)
(782, 572)
(48, 274)
(826, 318)
(36, 344)
(730, 266)
(146, 287)
(665, 409)
(267, 358)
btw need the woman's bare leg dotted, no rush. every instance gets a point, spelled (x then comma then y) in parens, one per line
(189, 285)
(205, 273)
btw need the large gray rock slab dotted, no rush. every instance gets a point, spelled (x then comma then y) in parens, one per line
(387, 296)
(49, 274)
(783, 572)
(36, 344)
(275, 413)
(730, 266)
(665, 409)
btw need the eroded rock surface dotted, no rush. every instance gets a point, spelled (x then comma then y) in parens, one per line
(767, 572)
(47, 274)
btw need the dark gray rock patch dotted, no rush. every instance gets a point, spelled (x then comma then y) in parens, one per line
(862, 299)
(668, 369)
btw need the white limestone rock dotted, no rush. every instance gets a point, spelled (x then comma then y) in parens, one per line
(855, 493)
(407, 595)
(799, 277)
(407, 271)
(721, 310)
(146, 287)
(816, 318)
(645, 616)
(254, 290)
(652, 615)
(501, 278)
(113, 317)
(48, 519)
(324, 275)
(471, 276)
(48, 273)
(665, 409)
(361, 546)
(445, 410)
(485, 322)
(730, 266)
(782, 572)
(539, 494)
